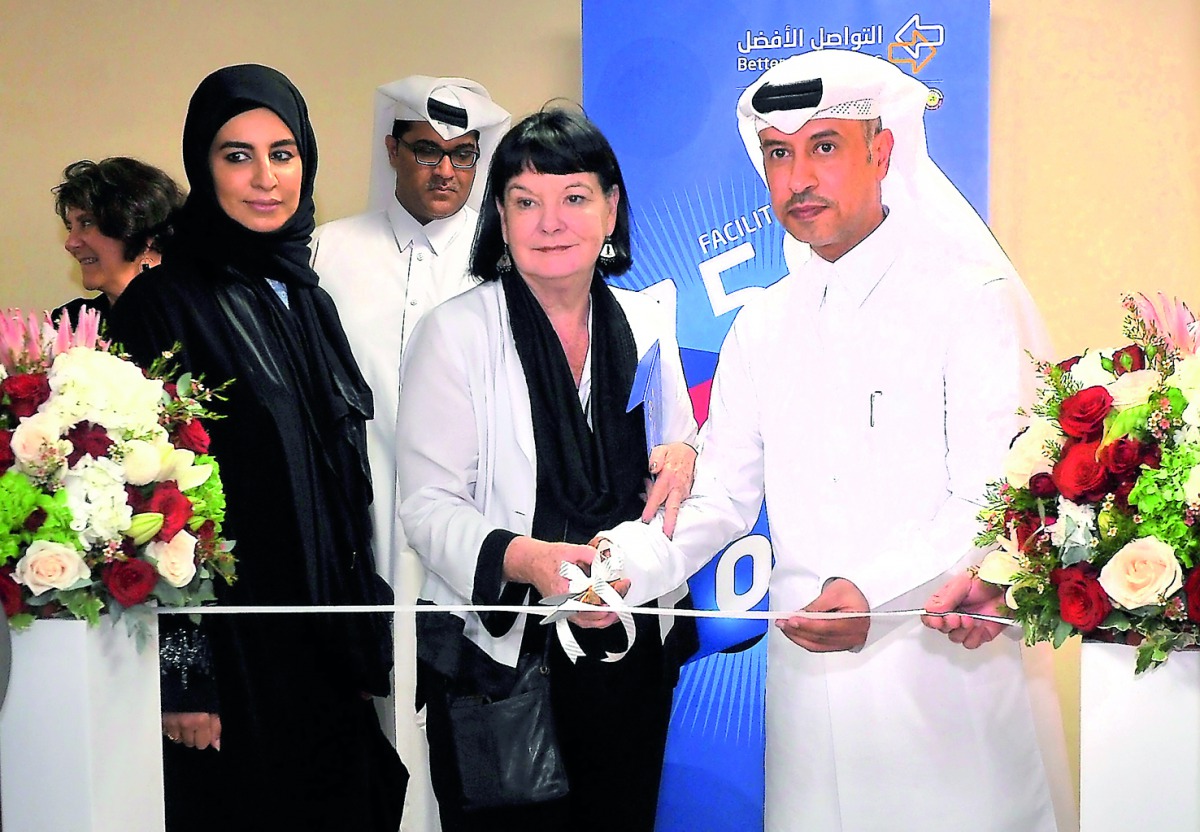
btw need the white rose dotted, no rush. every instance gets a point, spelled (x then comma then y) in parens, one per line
(1143, 572)
(176, 560)
(1027, 455)
(1088, 372)
(49, 565)
(36, 440)
(1133, 389)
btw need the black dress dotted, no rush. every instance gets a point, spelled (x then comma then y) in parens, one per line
(301, 747)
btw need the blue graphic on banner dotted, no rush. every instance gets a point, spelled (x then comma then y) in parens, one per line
(662, 80)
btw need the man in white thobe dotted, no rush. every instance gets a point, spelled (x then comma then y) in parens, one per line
(868, 396)
(434, 138)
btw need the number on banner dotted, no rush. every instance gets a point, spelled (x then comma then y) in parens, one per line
(758, 549)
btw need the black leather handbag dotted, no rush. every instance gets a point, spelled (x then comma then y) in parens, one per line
(507, 750)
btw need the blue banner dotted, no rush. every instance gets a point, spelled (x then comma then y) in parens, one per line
(662, 80)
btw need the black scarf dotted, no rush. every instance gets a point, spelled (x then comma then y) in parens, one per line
(588, 479)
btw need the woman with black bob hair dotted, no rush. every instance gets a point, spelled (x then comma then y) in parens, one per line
(555, 142)
(514, 449)
(117, 212)
(267, 719)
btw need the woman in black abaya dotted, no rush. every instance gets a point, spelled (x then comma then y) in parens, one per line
(285, 698)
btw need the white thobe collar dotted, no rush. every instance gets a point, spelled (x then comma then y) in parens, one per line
(849, 280)
(437, 234)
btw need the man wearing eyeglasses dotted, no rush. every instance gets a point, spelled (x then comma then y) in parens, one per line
(387, 267)
(433, 140)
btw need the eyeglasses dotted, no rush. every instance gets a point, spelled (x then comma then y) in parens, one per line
(463, 157)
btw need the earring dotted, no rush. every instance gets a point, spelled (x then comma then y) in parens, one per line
(146, 266)
(608, 252)
(505, 264)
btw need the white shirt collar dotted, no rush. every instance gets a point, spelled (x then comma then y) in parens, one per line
(437, 234)
(854, 275)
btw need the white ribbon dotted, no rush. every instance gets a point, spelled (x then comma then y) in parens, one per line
(583, 588)
(568, 607)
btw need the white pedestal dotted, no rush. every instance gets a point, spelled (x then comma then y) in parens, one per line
(80, 745)
(1139, 742)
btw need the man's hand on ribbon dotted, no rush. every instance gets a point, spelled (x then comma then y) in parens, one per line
(831, 635)
(536, 562)
(673, 469)
(961, 596)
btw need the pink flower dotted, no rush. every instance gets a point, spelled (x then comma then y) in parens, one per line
(1173, 324)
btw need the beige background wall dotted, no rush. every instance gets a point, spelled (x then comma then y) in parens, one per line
(1095, 104)
(114, 78)
(1095, 110)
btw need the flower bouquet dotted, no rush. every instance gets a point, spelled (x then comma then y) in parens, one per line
(109, 501)
(1095, 516)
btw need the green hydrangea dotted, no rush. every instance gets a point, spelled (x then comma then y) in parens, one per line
(18, 499)
(208, 498)
(1160, 501)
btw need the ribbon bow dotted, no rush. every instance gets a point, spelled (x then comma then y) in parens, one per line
(586, 592)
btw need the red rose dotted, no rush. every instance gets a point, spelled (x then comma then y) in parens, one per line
(191, 436)
(1082, 414)
(171, 389)
(1079, 475)
(1122, 457)
(175, 508)
(25, 392)
(10, 593)
(130, 581)
(1066, 365)
(1082, 602)
(88, 438)
(1191, 591)
(1042, 485)
(6, 454)
(1128, 359)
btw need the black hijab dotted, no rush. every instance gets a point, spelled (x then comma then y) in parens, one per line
(206, 232)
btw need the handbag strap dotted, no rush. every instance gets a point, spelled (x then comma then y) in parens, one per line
(545, 665)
